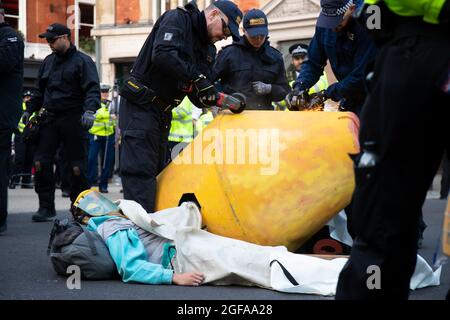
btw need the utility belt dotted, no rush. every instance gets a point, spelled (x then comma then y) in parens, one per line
(59, 113)
(135, 91)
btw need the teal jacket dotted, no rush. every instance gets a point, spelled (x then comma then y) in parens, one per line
(130, 256)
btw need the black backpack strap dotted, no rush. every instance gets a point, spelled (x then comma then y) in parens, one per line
(286, 273)
(52, 235)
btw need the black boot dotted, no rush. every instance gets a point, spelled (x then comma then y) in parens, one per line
(44, 215)
(46, 207)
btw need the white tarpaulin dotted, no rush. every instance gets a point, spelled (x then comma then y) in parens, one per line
(226, 261)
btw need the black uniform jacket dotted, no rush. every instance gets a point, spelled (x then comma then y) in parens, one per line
(176, 52)
(11, 77)
(239, 64)
(67, 83)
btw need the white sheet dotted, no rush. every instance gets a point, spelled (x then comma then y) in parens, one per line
(226, 261)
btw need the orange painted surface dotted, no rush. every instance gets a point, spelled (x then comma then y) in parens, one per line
(246, 5)
(42, 13)
(127, 11)
(292, 174)
(446, 231)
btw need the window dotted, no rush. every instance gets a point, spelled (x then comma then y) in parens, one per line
(12, 12)
(86, 23)
(86, 19)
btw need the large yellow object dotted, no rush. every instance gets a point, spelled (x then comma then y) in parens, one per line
(270, 178)
(446, 231)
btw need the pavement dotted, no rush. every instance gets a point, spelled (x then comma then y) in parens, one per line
(26, 272)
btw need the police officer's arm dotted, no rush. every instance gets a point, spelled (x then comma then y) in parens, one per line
(9, 52)
(312, 69)
(281, 87)
(353, 84)
(168, 49)
(90, 85)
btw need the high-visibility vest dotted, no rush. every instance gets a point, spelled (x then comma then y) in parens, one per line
(202, 122)
(21, 125)
(322, 84)
(428, 9)
(182, 126)
(103, 124)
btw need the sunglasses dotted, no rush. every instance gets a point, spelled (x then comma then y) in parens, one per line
(53, 40)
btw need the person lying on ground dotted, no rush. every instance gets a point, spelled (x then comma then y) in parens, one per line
(170, 247)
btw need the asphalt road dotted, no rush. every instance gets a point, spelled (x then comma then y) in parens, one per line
(26, 272)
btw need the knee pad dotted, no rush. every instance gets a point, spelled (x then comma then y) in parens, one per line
(38, 166)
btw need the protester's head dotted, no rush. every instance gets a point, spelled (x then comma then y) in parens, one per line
(335, 14)
(299, 54)
(222, 19)
(104, 90)
(91, 203)
(58, 37)
(256, 28)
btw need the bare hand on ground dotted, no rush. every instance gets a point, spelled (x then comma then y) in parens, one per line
(188, 279)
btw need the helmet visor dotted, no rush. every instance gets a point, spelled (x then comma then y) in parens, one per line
(95, 204)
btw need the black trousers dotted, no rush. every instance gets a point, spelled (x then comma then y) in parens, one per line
(144, 143)
(66, 130)
(5, 160)
(407, 116)
(62, 169)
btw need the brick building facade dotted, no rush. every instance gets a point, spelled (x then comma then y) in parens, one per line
(122, 27)
(32, 17)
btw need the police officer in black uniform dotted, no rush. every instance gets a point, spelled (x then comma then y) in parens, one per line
(11, 86)
(252, 67)
(404, 133)
(176, 60)
(69, 90)
(23, 154)
(340, 41)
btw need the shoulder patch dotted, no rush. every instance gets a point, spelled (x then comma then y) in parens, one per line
(168, 36)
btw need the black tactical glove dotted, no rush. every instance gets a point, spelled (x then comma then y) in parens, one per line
(322, 96)
(297, 99)
(25, 117)
(205, 91)
(261, 88)
(87, 120)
